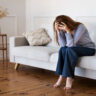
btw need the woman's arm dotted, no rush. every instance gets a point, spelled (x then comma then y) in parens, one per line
(61, 38)
(78, 34)
(69, 39)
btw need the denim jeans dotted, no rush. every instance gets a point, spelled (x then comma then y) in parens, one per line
(68, 57)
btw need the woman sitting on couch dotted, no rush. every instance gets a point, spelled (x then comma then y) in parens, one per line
(74, 39)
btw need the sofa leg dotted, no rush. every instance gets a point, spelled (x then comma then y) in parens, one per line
(16, 66)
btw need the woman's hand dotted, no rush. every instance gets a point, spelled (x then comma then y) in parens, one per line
(56, 27)
(63, 27)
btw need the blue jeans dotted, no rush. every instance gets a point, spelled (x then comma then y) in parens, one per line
(68, 57)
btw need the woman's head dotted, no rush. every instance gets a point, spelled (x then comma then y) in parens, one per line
(69, 22)
(66, 21)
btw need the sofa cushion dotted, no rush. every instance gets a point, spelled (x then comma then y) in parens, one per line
(38, 37)
(54, 57)
(88, 62)
(34, 52)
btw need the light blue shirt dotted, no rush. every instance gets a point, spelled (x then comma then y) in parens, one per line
(81, 37)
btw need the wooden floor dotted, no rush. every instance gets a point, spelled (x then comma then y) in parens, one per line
(31, 81)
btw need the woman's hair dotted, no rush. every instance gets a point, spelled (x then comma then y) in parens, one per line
(71, 24)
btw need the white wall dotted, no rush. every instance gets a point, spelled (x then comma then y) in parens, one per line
(72, 8)
(15, 23)
(16, 8)
(55, 7)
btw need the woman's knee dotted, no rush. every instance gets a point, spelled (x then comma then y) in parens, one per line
(71, 51)
(72, 48)
(62, 48)
(69, 48)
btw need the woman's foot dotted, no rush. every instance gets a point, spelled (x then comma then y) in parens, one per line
(58, 83)
(69, 82)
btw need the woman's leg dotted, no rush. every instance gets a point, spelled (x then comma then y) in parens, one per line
(59, 81)
(71, 59)
(84, 51)
(60, 66)
(69, 83)
(60, 62)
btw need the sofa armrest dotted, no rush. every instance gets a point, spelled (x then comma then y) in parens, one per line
(14, 42)
(18, 41)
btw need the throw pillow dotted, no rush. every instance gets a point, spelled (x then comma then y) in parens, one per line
(37, 37)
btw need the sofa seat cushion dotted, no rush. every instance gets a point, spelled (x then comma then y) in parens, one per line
(34, 52)
(88, 62)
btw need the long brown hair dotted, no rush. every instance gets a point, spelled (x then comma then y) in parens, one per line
(71, 24)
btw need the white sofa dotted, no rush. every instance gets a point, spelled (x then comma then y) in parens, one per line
(46, 57)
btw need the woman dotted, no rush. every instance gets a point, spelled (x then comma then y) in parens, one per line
(74, 39)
